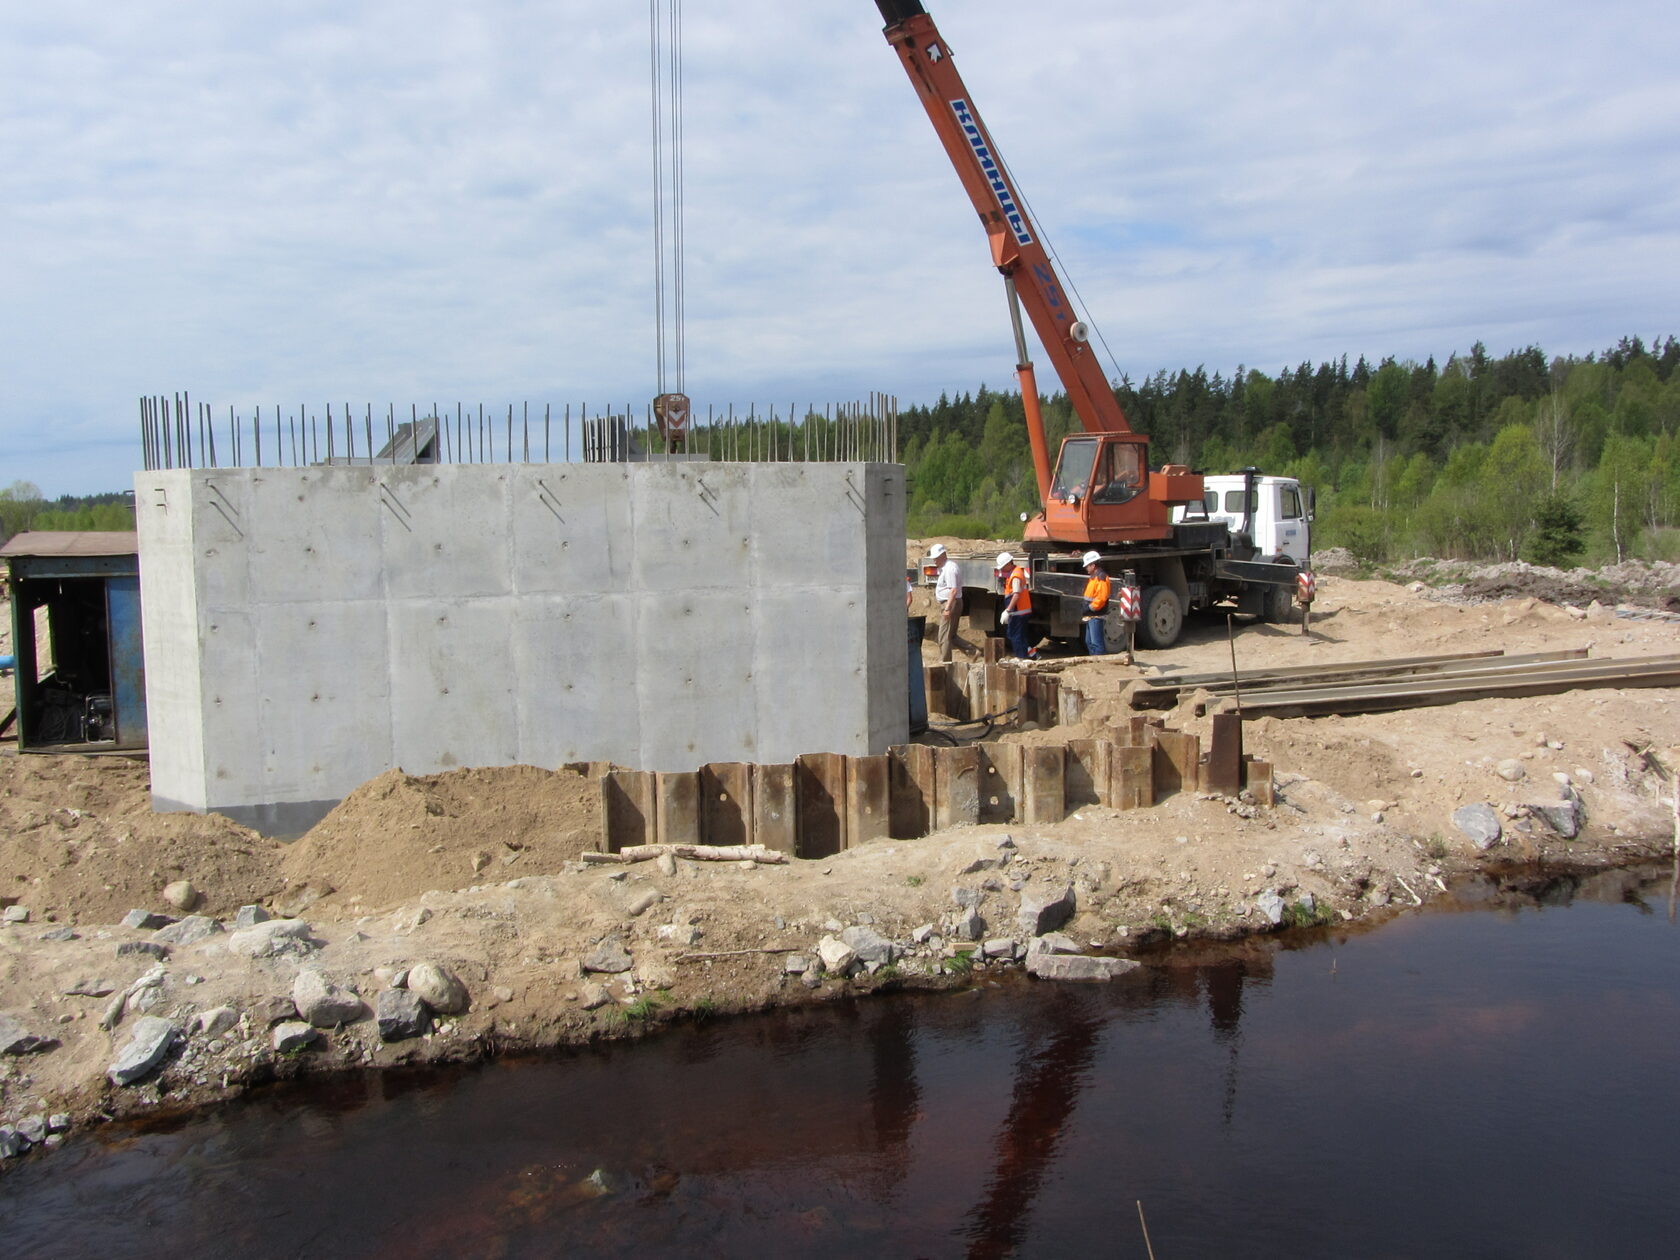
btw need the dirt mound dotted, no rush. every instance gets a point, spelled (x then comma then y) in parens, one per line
(79, 843)
(1526, 581)
(399, 835)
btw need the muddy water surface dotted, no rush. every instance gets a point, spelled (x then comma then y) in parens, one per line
(1503, 1081)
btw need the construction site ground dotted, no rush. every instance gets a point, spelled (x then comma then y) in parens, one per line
(479, 870)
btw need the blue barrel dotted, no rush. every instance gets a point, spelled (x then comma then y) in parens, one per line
(918, 688)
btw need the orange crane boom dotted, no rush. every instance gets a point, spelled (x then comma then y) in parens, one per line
(1137, 505)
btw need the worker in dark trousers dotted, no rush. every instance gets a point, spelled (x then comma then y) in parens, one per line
(1096, 605)
(1017, 608)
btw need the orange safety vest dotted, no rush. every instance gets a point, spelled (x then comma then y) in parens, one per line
(1017, 585)
(1096, 593)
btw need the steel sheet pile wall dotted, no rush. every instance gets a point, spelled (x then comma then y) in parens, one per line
(307, 629)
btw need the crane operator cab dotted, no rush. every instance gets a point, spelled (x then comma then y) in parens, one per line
(1097, 470)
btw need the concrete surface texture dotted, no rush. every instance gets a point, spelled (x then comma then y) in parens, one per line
(308, 629)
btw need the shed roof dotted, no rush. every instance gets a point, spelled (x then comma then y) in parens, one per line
(73, 542)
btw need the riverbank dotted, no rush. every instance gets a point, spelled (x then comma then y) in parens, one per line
(479, 873)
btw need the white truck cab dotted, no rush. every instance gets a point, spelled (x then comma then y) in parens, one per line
(1275, 512)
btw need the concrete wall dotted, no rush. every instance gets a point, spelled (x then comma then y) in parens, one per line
(308, 629)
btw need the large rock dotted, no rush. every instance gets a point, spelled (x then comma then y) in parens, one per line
(1045, 910)
(1563, 818)
(1480, 822)
(837, 956)
(438, 988)
(290, 1037)
(181, 895)
(195, 927)
(322, 1003)
(1271, 905)
(401, 1015)
(16, 1039)
(266, 940)
(148, 1043)
(214, 1022)
(869, 945)
(609, 957)
(146, 920)
(1047, 966)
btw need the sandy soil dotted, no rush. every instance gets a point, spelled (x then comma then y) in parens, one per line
(478, 870)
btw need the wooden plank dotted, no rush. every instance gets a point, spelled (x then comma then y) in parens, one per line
(1652, 672)
(910, 790)
(1266, 682)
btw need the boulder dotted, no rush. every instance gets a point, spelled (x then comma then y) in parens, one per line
(250, 916)
(16, 1039)
(593, 995)
(214, 1022)
(292, 1036)
(968, 926)
(438, 988)
(609, 957)
(1271, 905)
(837, 956)
(181, 895)
(1054, 943)
(1045, 910)
(323, 1004)
(401, 1014)
(1564, 818)
(267, 1012)
(148, 1043)
(869, 945)
(1480, 822)
(16, 914)
(271, 938)
(195, 927)
(1048, 966)
(145, 920)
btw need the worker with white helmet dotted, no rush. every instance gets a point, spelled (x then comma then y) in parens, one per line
(1017, 607)
(1096, 605)
(947, 593)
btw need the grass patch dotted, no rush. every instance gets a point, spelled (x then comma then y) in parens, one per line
(915, 881)
(1435, 847)
(961, 963)
(1301, 915)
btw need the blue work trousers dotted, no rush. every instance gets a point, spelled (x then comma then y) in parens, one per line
(1015, 630)
(1096, 637)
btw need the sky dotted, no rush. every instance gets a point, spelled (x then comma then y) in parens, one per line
(418, 202)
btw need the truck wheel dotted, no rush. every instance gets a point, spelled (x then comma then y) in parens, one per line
(1279, 605)
(1162, 617)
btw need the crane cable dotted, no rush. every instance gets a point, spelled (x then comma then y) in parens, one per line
(1061, 267)
(665, 69)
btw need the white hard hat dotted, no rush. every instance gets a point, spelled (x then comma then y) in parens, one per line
(1090, 558)
(937, 550)
(1004, 559)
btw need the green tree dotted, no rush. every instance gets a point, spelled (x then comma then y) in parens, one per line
(1558, 535)
(20, 503)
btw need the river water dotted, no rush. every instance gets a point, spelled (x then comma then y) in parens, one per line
(1500, 1081)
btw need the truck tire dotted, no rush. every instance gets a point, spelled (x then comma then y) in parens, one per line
(1161, 617)
(1278, 607)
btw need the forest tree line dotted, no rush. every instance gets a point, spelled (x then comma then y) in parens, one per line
(1554, 460)
(22, 508)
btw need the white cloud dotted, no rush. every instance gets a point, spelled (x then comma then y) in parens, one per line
(417, 202)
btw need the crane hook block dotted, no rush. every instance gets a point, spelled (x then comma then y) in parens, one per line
(671, 411)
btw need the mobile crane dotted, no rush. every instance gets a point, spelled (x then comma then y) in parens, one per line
(1153, 523)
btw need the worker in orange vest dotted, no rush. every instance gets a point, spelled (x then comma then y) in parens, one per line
(1096, 605)
(1017, 608)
